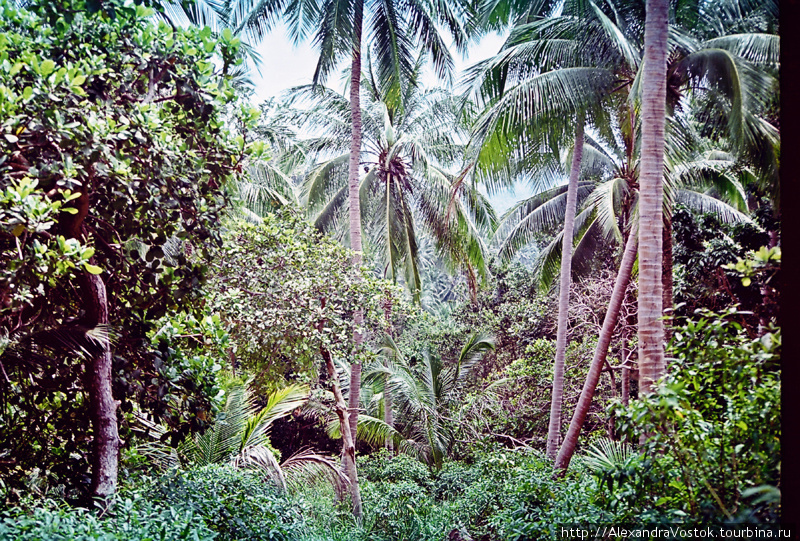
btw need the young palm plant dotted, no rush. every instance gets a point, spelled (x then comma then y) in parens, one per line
(425, 394)
(240, 437)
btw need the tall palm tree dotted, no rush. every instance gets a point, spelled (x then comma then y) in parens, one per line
(696, 60)
(561, 55)
(651, 195)
(408, 189)
(393, 31)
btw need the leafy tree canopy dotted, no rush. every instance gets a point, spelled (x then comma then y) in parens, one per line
(113, 162)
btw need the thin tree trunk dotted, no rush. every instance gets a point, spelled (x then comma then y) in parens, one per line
(611, 424)
(388, 416)
(105, 458)
(666, 273)
(651, 196)
(600, 352)
(355, 242)
(557, 397)
(348, 442)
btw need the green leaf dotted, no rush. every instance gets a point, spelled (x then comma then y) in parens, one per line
(227, 34)
(92, 269)
(27, 93)
(47, 67)
(746, 281)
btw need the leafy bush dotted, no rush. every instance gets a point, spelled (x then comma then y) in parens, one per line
(134, 518)
(382, 467)
(715, 424)
(504, 495)
(236, 504)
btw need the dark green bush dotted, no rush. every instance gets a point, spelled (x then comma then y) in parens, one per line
(381, 467)
(134, 518)
(715, 424)
(235, 503)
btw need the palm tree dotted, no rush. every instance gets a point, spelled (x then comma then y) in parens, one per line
(651, 195)
(393, 32)
(425, 393)
(240, 437)
(407, 190)
(697, 61)
(559, 54)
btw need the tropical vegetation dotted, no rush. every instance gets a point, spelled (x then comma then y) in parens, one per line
(308, 318)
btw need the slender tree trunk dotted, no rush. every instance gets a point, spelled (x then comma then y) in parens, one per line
(105, 458)
(666, 273)
(348, 440)
(355, 243)
(600, 352)
(651, 195)
(388, 416)
(557, 397)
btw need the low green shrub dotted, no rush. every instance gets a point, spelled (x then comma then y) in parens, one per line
(715, 425)
(237, 504)
(133, 518)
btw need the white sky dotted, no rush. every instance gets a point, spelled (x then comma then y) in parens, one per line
(284, 66)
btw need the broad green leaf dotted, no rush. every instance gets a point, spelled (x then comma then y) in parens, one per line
(92, 269)
(47, 67)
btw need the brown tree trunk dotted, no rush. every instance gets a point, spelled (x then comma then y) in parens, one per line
(355, 241)
(651, 196)
(600, 352)
(666, 273)
(348, 441)
(105, 458)
(388, 416)
(557, 397)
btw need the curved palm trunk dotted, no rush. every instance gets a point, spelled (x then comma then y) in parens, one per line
(557, 398)
(651, 195)
(600, 352)
(355, 245)
(348, 439)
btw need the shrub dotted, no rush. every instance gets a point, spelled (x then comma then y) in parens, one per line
(134, 518)
(715, 423)
(238, 504)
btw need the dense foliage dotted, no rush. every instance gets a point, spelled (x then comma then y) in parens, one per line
(193, 345)
(114, 158)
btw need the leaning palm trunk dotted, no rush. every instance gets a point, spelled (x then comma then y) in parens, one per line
(348, 441)
(554, 428)
(651, 195)
(600, 352)
(351, 420)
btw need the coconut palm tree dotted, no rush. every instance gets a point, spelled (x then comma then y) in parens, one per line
(651, 195)
(555, 39)
(425, 394)
(408, 189)
(550, 55)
